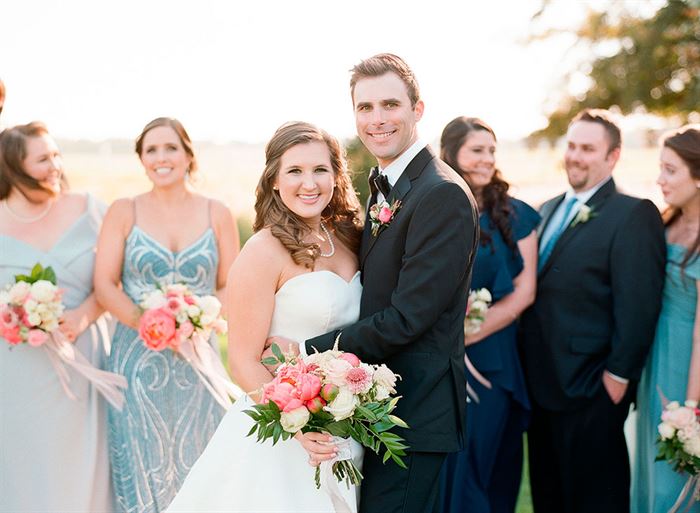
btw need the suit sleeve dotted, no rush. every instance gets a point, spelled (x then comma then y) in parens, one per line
(638, 257)
(439, 243)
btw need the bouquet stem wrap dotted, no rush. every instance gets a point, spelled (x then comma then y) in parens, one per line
(206, 363)
(329, 482)
(63, 354)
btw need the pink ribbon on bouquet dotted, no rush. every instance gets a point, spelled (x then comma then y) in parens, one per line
(690, 489)
(477, 376)
(329, 483)
(207, 365)
(62, 353)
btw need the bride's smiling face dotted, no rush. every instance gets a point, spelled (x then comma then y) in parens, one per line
(305, 180)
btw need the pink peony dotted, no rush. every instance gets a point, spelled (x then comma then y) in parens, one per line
(157, 329)
(308, 386)
(315, 405)
(329, 392)
(293, 404)
(279, 392)
(351, 359)
(12, 335)
(37, 338)
(358, 380)
(680, 417)
(385, 215)
(8, 318)
(174, 305)
(189, 300)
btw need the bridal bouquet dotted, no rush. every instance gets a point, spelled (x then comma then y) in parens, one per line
(331, 392)
(177, 319)
(679, 444)
(30, 312)
(477, 305)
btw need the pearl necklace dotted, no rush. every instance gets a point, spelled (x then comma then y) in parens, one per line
(28, 220)
(330, 242)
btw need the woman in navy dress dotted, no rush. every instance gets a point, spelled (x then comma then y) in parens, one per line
(485, 476)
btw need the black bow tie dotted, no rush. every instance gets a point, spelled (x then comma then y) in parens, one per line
(379, 182)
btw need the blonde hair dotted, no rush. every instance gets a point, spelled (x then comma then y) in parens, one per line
(342, 212)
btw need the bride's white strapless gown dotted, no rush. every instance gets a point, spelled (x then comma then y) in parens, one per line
(235, 473)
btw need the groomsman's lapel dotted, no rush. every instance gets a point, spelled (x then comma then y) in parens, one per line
(546, 214)
(399, 191)
(595, 202)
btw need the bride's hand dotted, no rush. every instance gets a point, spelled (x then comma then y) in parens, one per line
(318, 446)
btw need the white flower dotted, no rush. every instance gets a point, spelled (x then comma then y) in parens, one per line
(673, 405)
(51, 325)
(181, 316)
(692, 446)
(478, 307)
(34, 319)
(666, 430)
(321, 359)
(153, 300)
(294, 420)
(335, 371)
(30, 306)
(210, 305)
(19, 291)
(584, 214)
(381, 392)
(4, 297)
(193, 310)
(177, 288)
(484, 295)
(385, 378)
(343, 406)
(43, 291)
(206, 320)
(691, 403)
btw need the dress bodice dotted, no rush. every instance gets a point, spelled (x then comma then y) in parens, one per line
(315, 303)
(147, 263)
(680, 293)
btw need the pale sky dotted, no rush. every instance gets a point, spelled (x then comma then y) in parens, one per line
(236, 70)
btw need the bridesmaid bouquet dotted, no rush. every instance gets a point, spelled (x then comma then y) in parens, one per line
(30, 312)
(477, 305)
(679, 445)
(174, 318)
(331, 392)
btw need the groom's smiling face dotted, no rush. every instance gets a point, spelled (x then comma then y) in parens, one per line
(384, 117)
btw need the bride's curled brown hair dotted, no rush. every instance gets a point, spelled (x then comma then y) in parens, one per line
(342, 213)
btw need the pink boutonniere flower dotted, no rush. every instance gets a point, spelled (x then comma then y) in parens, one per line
(382, 214)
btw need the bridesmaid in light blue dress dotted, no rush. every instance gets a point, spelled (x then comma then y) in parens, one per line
(674, 362)
(167, 235)
(53, 449)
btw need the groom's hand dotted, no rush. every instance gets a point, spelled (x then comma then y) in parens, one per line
(615, 389)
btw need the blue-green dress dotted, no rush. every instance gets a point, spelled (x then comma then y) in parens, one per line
(169, 415)
(655, 486)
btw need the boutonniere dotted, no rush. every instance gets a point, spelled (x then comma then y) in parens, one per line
(382, 214)
(585, 214)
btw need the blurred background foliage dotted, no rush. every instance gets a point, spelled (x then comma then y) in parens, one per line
(634, 62)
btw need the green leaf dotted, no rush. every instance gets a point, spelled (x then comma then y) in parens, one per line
(398, 421)
(366, 412)
(270, 360)
(399, 461)
(277, 352)
(49, 275)
(37, 271)
(22, 277)
(252, 430)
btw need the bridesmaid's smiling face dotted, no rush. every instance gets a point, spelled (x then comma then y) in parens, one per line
(677, 184)
(306, 179)
(164, 157)
(44, 162)
(476, 159)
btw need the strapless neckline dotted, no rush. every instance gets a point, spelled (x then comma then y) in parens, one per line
(319, 272)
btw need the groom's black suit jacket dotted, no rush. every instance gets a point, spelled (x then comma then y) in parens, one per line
(416, 274)
(598, 298)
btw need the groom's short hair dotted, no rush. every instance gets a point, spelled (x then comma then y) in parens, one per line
(381, 64)
(604, 119)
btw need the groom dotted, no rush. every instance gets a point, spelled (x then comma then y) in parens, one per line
(416, 271)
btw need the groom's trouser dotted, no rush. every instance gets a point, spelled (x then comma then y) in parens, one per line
(578, 459)
(388, 488)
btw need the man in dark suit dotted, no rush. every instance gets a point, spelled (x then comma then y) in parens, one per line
(415, 272)
(586, 337)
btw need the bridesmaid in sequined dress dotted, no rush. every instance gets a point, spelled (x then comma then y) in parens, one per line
(167, 235)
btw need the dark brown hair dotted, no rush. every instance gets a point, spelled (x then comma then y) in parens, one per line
(494, 195)
(604, 119)
(342, 213)
(381, 64)
(685, 142)
(13, 151)
(181, 133)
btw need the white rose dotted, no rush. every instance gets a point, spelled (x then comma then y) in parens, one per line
(153, 300)
(483, 295)
(34, 319)
(51, 325)
(385, 378)
(206, 320)
(673, 405)
(4, 296)
(478, 307)
(294, 420)
(210, 305)
(19, 292)
(30, 306)
(343, 406)
(321, 359)
(666, 430)
(193, 310)
(692, 446)
(181, 316)
(42, 309)
(43, 291)
(336, 370)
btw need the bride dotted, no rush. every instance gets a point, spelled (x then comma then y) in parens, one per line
(296, 277)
